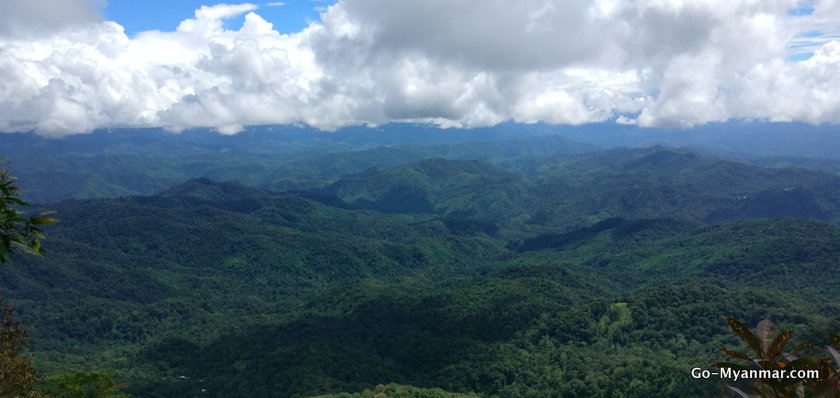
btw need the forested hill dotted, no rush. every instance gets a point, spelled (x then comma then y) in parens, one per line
(287, 158)
(571, 191)
(50, 177)
(510, 266)
(247, 292)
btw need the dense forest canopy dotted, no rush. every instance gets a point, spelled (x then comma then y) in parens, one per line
(513, 266)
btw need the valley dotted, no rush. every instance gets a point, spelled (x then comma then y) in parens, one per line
(514, 267)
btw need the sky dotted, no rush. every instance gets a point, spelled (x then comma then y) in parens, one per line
(134, 16)
(72, 66)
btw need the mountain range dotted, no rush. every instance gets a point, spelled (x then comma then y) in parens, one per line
(510, 267)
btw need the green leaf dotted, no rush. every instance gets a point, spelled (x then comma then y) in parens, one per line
(801, 346)
(747, 335)
(835, 340)
(828, 389)
(18, 234)
(779, 344)
(805, 363)
(735, 354)
(16, 201)
(808, 363)
(42, 220)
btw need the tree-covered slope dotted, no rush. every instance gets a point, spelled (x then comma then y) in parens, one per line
(456, 188)
(664, 182)
(131, 269)
(537, 326)
(569, 191)
(398, 391)
(781, 253)
(245, 292)
(145, 162)
(519, 267)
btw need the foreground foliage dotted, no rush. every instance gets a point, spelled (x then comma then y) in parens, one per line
(17, 375)
(18, 233)
(768, 346)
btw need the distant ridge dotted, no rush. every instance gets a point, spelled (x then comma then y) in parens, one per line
(206, 189)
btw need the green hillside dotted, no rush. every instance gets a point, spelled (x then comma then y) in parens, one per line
(147, 165)
(602, 274)
(451, 187)
(565, 192)
(245, 292)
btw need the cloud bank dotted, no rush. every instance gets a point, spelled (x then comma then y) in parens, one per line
(451, 63)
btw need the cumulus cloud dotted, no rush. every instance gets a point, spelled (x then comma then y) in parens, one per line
(451, 63)
(44, 17)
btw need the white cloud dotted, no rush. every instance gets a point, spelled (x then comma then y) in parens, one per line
(452, 63)
(276, 4)
(43, 17)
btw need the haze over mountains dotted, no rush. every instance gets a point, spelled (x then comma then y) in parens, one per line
(287, 158)
(496, 262)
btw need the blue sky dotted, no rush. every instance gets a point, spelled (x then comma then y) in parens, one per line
(165, 15)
